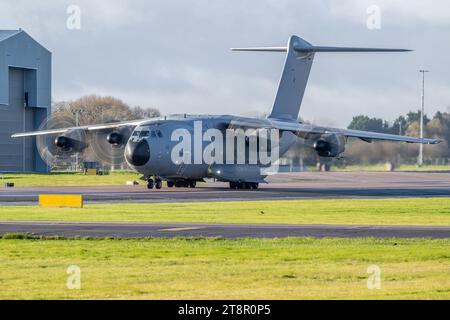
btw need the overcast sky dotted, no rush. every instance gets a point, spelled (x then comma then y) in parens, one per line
(174, 55)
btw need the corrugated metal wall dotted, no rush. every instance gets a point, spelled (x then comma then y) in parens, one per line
(25, 66)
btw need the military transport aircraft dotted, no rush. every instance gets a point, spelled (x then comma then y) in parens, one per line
(184, 149)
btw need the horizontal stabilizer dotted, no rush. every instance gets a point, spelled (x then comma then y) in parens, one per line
(297, 66)
(319, 49)
(345, 49)
(267, 49)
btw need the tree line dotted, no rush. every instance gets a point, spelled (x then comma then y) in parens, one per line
(93, 109)
(438, 126)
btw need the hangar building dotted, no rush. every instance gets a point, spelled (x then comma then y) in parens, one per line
(25, 99)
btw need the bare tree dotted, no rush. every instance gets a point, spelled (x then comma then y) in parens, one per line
(144, 113)
(93, 109)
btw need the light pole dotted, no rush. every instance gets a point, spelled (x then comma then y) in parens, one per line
(420, 160)
(77, 123)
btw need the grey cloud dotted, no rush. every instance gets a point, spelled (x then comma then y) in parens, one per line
(174, 54)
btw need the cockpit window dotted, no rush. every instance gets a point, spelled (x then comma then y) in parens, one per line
(147, 133)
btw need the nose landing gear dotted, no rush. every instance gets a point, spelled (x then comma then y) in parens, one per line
(185, 184)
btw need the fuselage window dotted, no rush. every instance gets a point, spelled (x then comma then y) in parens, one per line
(144, 133)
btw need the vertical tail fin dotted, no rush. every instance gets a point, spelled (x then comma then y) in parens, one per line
(297, 66)
(293, 80)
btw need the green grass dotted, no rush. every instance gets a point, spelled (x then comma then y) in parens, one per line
(383, 167)
(411, 167)
(292, 268)
(435, 211)
(67, 179)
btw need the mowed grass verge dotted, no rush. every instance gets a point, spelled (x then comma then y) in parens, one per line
(67, 179)
(291, 268)
(383, 167)
(410, 211)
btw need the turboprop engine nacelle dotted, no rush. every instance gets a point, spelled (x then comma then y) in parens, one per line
(330, 145)
(118, 137)
(115, 138)
(70, 142)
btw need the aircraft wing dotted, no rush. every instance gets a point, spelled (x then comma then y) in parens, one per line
(302, 129)
(370, 136)
(305, 129)
(101, 126)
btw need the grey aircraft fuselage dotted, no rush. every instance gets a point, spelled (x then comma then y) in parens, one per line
(149, 149)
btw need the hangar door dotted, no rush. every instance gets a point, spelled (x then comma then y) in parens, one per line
(18, 155)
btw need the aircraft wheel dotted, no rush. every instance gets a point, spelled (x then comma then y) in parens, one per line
(179, 184)
(233, 185)
(150, 184)
(255, 185)
(192, 184)
(170, 184)
(158, 184)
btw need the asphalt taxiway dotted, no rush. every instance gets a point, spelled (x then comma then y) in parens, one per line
(305, 185)
(222, 230)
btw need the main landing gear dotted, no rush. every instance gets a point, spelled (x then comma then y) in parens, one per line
(157, 183)
(182, 184)
(244, 185)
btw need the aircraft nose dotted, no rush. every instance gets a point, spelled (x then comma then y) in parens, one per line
(137, 153)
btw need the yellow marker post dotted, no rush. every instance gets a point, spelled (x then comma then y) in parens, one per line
(91, 172)
(61, 200)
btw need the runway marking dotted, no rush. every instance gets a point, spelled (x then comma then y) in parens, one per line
(181, 229)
